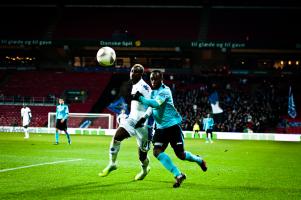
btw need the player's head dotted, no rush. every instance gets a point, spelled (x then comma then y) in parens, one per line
(136, 73)
(24, 105)
(156, 78)
(61, 100)
(122, 111)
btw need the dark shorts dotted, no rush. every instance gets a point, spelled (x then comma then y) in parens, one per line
(61, 126)
(172, 135)
(209, 131)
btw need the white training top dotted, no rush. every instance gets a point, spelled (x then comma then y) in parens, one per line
(26, 115)
(137, 108)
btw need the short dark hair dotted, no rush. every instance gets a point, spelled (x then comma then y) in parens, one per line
(156, 71)
(139, 67)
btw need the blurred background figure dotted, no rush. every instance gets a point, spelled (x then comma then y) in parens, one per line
(26, 118)
(196, 129)
(121, 117)
(208, 123)
(62, 115)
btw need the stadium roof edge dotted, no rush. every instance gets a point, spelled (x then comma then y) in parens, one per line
(29, 5)
(258, 7)
(134, 6)
(152, 6)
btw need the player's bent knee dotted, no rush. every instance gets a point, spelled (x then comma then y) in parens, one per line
(179, 151)
(156, 152)
(181, 155)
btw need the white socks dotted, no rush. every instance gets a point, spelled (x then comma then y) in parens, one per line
(26, 133)
(114, 149)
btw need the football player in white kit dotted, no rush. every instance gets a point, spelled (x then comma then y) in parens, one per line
(121, 118)
(26, 117)
(127, 129)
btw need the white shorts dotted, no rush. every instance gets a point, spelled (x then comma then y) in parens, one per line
(25, 122)
(142, 134)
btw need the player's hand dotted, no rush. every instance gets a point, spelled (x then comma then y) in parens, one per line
(136, 96)
(62, 121)
(140, 122)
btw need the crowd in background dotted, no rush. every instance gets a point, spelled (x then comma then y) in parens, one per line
(248, 104)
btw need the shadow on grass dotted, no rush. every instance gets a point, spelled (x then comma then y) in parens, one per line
(103, 190)
(95, 188)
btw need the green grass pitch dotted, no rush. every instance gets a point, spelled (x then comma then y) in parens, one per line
(236, 170)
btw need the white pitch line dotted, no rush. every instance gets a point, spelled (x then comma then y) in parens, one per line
(41, 164)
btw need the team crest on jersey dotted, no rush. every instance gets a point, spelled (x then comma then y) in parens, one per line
(146, 87)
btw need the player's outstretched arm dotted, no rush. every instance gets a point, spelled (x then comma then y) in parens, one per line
(149, 102)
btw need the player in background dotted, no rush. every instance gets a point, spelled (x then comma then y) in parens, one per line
(62, 114)
(127, 129)
(26, 118)
(167, 127)
(208, 123)
(121, 118)
(196, 129)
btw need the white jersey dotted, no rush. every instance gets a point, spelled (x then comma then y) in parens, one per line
(137, 108)
(26, 116)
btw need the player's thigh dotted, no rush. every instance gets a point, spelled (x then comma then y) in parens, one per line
(176, 139)
(129, 125)
(121, 134)
(25, 122)
(61, 126)
(143, 138)
(58, 124)
(160, 139)
(64, 126)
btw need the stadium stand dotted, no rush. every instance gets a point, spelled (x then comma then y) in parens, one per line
(242, 96)
(11, 115)
(33, 83)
